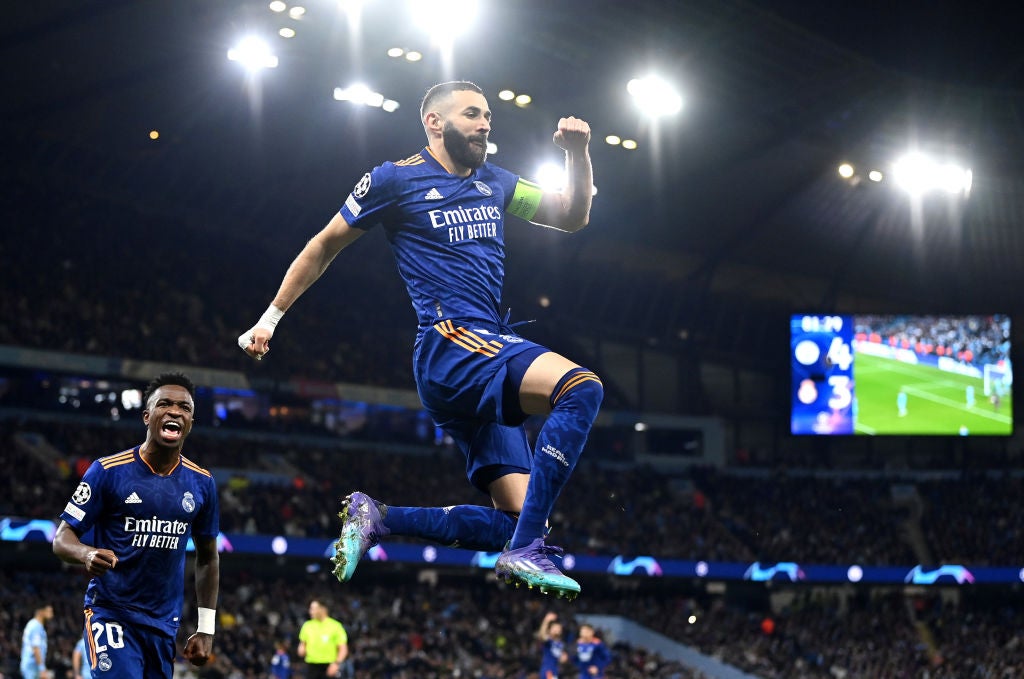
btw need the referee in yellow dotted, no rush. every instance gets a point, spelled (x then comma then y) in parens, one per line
(323, 642)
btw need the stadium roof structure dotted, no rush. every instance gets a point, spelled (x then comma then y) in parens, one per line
(736, 198)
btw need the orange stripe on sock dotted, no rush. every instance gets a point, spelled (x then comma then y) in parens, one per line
(575, 380)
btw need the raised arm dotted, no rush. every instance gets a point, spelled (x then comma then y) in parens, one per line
(543, 632)
(569, 210)
(304, 270)
(199, 645)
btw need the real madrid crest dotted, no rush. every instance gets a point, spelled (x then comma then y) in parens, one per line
(188, 503)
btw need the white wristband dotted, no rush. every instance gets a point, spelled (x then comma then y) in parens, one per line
(269, 319)
(207, 616)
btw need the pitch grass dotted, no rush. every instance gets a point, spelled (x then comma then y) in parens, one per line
(936, 401)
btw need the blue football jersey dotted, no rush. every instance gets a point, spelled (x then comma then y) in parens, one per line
(146, 520)
(552, 658)
(447, 233)
(592, 655)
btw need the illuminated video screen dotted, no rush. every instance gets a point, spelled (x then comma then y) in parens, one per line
(901, 375)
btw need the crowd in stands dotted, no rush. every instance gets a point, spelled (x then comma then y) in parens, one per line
(977, 340)
(157, 288)
(97, 296)
(281, 486)
(822, 520)
(160, 291)
(398, 629)
(970, 520)
(404, 627)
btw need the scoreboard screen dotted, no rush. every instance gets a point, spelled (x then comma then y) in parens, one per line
(901, 374)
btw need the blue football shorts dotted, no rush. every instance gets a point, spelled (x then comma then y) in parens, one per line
(468, 376)
(126, 650)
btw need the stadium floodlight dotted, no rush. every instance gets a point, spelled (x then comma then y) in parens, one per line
(413, 55)
(551, 176)
(297, 12)
(613, 139)
(395, 52)
(277, 6)
(253, 53)
(845, 170)
(655, 96)
(629, 144)
(286, 32)
(492, 148)
(918, 173)
(360, 94)
(523, 100)
(390, 105)
(443, 20)
(506, 95)
(875, 176)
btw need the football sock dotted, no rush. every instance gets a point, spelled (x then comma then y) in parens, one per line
(465, 526)
(574, 405)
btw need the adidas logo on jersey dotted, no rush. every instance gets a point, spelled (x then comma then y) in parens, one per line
(133, 499)
(433, 194)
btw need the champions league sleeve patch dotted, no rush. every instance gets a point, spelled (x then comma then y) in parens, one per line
(82, 493)
(361, 189)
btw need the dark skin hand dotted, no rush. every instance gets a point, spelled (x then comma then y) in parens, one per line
(198, 648)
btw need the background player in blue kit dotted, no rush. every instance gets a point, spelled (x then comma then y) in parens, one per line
(141, 506)
(592, 656)
(552, 645)
(34, 645)
(280, 663)
(443, 211)
(80, 661)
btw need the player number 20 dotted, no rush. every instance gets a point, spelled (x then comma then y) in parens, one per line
(115, 635)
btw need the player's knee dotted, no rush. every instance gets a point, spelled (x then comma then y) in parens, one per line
(580, 389)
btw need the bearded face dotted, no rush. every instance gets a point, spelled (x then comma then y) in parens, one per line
(466, 150)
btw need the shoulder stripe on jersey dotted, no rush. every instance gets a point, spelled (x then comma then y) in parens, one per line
(118, 457)
(111, 465)
(194, 467)
(411, 160)
(469, 341)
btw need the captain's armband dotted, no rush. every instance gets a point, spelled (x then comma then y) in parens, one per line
(525, 200)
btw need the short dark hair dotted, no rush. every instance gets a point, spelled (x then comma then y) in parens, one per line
(443, 90)
(162, 380)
